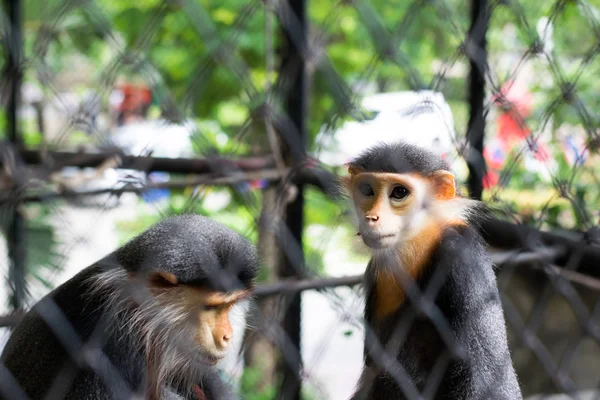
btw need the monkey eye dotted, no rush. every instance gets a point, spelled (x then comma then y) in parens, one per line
(208, 307)
(399, 192)
(365, 189)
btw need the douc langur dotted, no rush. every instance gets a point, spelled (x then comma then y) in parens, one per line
(418, 228)
(148, 321)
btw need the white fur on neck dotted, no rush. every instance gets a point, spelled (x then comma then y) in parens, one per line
(456, 209)
(439, 212)
(161, 332)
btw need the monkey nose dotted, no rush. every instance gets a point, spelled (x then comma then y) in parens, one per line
(372, 218)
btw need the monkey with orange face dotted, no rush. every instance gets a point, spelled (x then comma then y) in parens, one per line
(418, 227)
(148, 321)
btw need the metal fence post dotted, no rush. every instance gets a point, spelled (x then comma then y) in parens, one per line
(478, 65)
(16, 225)
(293, 74)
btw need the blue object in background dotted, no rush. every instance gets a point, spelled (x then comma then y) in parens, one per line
(256, 184)
(155, 195)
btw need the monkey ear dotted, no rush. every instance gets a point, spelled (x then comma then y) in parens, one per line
(163, 278)
(353, 170)
(444, 185)
(347, 180)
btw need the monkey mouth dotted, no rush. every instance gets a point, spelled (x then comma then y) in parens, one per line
(378, 241)
(211, 359)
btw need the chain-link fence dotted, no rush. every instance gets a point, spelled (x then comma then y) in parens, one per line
(116, 115)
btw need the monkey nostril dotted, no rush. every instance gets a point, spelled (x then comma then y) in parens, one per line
(226, 338)
(372, 218)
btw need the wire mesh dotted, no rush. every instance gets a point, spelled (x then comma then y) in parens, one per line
(117, 115)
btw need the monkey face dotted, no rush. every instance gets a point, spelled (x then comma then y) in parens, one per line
(214, 332)
(387, 206)
(206, 311)
(392, 208)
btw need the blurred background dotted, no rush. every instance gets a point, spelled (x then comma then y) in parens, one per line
(115, 114)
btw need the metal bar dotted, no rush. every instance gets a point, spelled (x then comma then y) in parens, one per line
(208, 179)
(507, 235)
(290, 286)
(11, 319)
(324, 181)
(17, 259)
(55, 160)
(13, 67)
(311, 174)
(293, 71)
(478, 64)
(15, 235)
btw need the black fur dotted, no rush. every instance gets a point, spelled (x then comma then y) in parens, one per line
(196, 249)
(37, 353)
(469, 301)
(399, 158)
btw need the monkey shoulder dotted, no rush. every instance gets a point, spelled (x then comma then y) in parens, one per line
(53, 323)
(462, 256)
(66, 303)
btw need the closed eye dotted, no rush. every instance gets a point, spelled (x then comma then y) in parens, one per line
(365, 189)
(399, 192)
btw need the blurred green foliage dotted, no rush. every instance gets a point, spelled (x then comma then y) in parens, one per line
(187, 50)
(41, 255)
(252, 386)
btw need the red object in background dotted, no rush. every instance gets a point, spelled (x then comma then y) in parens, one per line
(135, 98)
(511, 127)
(490, 179)
(517, 101)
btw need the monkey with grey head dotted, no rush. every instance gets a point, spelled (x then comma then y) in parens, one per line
(424, 246)
(150, 320)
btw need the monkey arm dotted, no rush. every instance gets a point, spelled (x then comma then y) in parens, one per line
(470, 301)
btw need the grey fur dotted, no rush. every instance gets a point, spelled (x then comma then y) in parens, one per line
(399, 157)
(194, 248)
(106, 310)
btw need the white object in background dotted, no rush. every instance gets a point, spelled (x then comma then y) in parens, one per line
(423, 118)
(161, 137)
